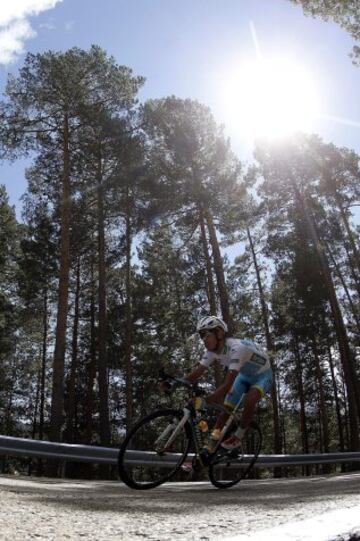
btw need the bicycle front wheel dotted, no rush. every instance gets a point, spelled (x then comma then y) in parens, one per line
(228, 468)
(154, 449)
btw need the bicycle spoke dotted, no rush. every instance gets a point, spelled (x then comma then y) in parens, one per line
(228, 468)
(154, 450)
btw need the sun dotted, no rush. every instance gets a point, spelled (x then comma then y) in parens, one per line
(270, 98)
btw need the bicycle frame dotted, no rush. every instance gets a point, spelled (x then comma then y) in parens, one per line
(190, 416)
(163, 442)
(168, 429)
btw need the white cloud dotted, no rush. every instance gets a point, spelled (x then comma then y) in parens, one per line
(15, 29)
(19, 9)
(12, 40)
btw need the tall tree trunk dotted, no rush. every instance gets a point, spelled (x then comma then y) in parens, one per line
(40, 464)
(352, 271)
(128, 317)
(57, 398)
(300, 386)
(269, 345)
(43, 365)
(9, 400)
(210, 286)
(36, 407)
(322, 403)
(219, 270)
(351, 380)
(102, 361)
(91, 365)
(71, 399)
(346, 410)
(336, 397)
(8, 414)
(282, 424)
(353, 308)
(350, 235)
(35, 415)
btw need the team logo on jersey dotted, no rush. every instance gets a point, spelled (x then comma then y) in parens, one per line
(255, 358)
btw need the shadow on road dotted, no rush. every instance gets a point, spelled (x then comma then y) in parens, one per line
(265, 495)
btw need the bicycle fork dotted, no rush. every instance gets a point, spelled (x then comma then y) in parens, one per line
(163, 442)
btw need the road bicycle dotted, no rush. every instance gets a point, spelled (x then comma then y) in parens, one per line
(156, 448)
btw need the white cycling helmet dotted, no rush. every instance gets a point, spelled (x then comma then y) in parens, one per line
(211, 322)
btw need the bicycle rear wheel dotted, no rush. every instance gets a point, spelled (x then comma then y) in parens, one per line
(228, 468)
(144, 459)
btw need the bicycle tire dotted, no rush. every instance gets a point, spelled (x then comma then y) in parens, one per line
(141, 474)
(228, 470)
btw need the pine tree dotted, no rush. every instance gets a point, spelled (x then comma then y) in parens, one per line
(290, 179)
(47, 104)
(197, 173)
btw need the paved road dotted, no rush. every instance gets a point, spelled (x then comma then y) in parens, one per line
(50, 509)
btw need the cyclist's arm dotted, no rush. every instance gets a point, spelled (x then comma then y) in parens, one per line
(196, 373)
(219, 394)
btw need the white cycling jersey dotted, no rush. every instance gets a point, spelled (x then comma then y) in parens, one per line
(242, 355)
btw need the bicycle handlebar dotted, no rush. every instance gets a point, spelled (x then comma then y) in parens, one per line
(194, 387)
(198, 391)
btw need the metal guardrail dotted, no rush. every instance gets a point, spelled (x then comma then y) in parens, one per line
(108, 455)
(60, 451)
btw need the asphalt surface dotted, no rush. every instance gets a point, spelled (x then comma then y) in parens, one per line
(52, 509)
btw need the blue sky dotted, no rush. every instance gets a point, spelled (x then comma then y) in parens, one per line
(187, 48)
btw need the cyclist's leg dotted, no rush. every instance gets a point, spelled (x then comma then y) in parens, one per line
(233, 397)
(257, 385)
(237, 391)
(253, 396)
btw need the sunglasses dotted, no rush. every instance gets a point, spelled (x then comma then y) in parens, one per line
(204, 334)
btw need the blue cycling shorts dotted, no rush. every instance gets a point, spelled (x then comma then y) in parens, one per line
(243, 383)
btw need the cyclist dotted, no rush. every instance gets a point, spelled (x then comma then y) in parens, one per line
(248, 372)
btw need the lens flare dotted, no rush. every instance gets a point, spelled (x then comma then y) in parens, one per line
(270, 98)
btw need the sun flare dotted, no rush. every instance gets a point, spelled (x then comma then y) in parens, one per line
(270, 98)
